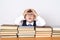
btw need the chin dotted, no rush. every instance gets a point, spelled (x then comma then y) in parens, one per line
(29, 21)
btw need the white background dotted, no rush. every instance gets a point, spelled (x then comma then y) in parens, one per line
(48, 9)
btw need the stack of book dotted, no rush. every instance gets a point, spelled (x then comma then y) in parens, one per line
(26, 31)
(8, 31)
(56, 31)
(43, 31)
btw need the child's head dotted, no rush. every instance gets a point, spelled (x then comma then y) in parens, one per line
(30, 15)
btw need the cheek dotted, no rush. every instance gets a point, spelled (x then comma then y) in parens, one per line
(27, 17)
(33, 17)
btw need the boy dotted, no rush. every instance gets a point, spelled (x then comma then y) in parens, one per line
(30, 19)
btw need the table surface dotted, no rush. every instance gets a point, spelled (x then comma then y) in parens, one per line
(39, 38)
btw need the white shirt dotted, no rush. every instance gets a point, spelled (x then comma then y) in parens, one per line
(39, 21)
(29, 23)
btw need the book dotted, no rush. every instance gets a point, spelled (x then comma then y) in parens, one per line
(8, 27)
(56, 31)
(43, 36)
(9, 31)
(9, 36)
(45, 28)
(26, 28)
(55, 35)
(43, 31)
(26, 36)
(26, 31)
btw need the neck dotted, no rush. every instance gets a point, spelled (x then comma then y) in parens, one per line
(30, 21)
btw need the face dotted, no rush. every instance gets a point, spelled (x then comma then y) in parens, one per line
(30, 17)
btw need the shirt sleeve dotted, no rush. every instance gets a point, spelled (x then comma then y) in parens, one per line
(19, 20)
(40, 21)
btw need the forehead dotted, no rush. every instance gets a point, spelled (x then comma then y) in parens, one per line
(30, 14)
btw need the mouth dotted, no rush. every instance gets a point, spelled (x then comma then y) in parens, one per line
(29, 18)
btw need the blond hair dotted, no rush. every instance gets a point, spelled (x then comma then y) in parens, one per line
(29, 11)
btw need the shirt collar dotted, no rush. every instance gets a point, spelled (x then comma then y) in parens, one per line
(29, 23)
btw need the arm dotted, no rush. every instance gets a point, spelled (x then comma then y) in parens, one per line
(18, 20)
(40, 21)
